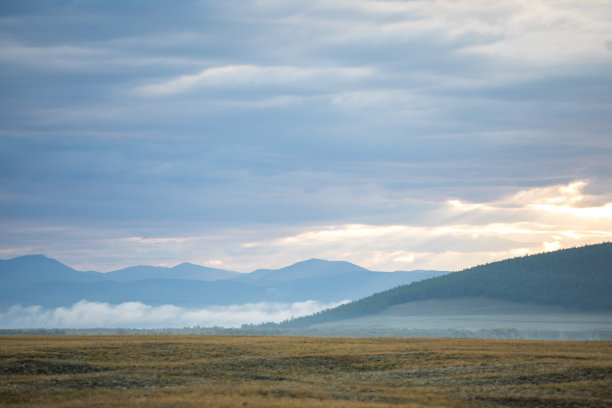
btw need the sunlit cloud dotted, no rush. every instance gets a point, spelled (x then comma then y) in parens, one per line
(470, 233)
(566, 200)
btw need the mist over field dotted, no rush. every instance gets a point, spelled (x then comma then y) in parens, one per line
(86, 314)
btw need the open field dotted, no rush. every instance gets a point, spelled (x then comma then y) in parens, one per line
(234, 371)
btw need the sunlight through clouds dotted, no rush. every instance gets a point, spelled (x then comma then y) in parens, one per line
(530, 221)
(452, 235)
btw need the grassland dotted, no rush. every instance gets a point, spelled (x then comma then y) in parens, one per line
(233, 371)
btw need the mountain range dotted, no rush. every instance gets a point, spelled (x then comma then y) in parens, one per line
(38, 280)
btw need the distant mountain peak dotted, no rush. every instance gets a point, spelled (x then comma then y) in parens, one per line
(310, 268)
(33, 257)
(310, 261)
(318, 261)
(36, 259)
(183, 264)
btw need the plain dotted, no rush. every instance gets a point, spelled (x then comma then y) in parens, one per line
(258, 371)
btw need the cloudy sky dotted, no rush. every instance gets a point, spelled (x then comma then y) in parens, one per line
(397, 135)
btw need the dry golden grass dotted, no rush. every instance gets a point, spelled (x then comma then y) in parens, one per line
(226, 371)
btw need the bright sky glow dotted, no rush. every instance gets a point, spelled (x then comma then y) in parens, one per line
(396, 135)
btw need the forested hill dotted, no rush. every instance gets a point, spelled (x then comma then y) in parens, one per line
(577, 278)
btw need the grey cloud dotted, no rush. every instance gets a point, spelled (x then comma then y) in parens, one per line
(297, 139)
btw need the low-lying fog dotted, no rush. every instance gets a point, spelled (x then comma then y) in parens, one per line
(478, 314)
(86, 314)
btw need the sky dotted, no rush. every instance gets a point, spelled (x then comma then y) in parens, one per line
(397, 135)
